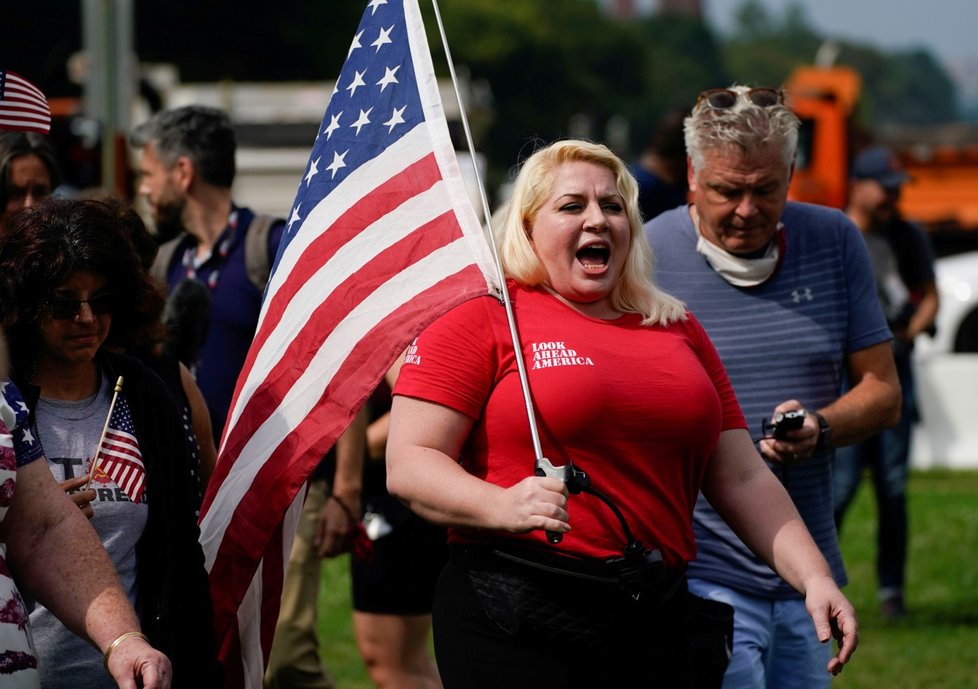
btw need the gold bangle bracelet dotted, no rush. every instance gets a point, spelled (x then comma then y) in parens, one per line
(119, 640)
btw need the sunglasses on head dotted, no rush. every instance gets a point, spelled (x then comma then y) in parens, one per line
(724, 99)
(65, 309)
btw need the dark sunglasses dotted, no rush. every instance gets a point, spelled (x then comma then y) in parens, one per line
(65, 309)
(724, 99)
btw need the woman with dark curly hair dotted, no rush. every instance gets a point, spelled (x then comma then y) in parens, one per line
(72, 294)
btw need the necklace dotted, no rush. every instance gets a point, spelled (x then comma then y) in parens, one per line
(189, 260)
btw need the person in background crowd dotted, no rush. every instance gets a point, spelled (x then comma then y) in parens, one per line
(29, 171)
(903, 264)
(786, 294)
(661, 169)
(73, 294)
(218, 255)
(632, 397)
(179, 381)
(393, 585)
(395, 559)
(326, 523)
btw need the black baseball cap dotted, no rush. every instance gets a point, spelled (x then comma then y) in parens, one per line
(879, 163)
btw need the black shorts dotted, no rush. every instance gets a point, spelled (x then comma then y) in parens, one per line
(400, 577)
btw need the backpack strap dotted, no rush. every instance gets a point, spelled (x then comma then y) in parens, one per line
(164, 256)
(257, 261)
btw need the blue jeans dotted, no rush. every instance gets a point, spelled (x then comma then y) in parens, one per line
(887, 455)
(775, 644)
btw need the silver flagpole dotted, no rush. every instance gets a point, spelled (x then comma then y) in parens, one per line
(542, 465)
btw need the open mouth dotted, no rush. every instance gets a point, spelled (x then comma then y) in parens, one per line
(594, 256)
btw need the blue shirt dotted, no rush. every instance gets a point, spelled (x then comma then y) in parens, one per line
(787, 338)
(234, 310)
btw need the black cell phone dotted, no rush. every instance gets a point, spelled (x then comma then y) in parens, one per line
(785, 421)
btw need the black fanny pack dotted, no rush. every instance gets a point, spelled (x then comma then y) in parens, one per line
(641, 575)
(532, 594)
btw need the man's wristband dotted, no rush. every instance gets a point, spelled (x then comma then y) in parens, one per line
(119, 640)
(346, 508)
(824, 433)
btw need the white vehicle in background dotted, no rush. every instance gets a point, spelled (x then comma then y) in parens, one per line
(946, 369)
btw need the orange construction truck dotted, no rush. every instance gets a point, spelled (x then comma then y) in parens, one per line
(942, 161)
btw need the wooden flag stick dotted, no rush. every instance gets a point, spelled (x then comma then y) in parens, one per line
(105, 429)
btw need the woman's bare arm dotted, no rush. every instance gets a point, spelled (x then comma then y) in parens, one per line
(425, 438)
(757, 507)
(48, 538)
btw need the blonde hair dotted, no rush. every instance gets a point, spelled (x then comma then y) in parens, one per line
(634, 291)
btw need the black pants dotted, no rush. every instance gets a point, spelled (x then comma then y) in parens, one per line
(498, 624)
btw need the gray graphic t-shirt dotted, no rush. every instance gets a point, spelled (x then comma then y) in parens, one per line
(69, 432)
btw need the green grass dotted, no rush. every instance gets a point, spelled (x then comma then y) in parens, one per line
(336, 643)
(935, 647)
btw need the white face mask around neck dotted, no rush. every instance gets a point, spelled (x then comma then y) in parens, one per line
(738, 270)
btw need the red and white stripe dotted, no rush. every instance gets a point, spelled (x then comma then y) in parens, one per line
(122, 461)
(23, 107)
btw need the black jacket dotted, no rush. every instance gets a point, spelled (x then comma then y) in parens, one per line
(174, 598)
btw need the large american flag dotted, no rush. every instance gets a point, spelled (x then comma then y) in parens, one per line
(23, 107)
(119, 456)
(381, 240)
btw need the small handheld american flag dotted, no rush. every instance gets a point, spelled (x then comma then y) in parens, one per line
(118, 452)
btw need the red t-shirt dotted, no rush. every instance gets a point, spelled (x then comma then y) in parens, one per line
(638, 408)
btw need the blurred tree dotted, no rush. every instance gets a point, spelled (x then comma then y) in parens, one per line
(903, 88)
(764, 49)
(682, 58)
(554, 71)
(753, 21)
(898, 87)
